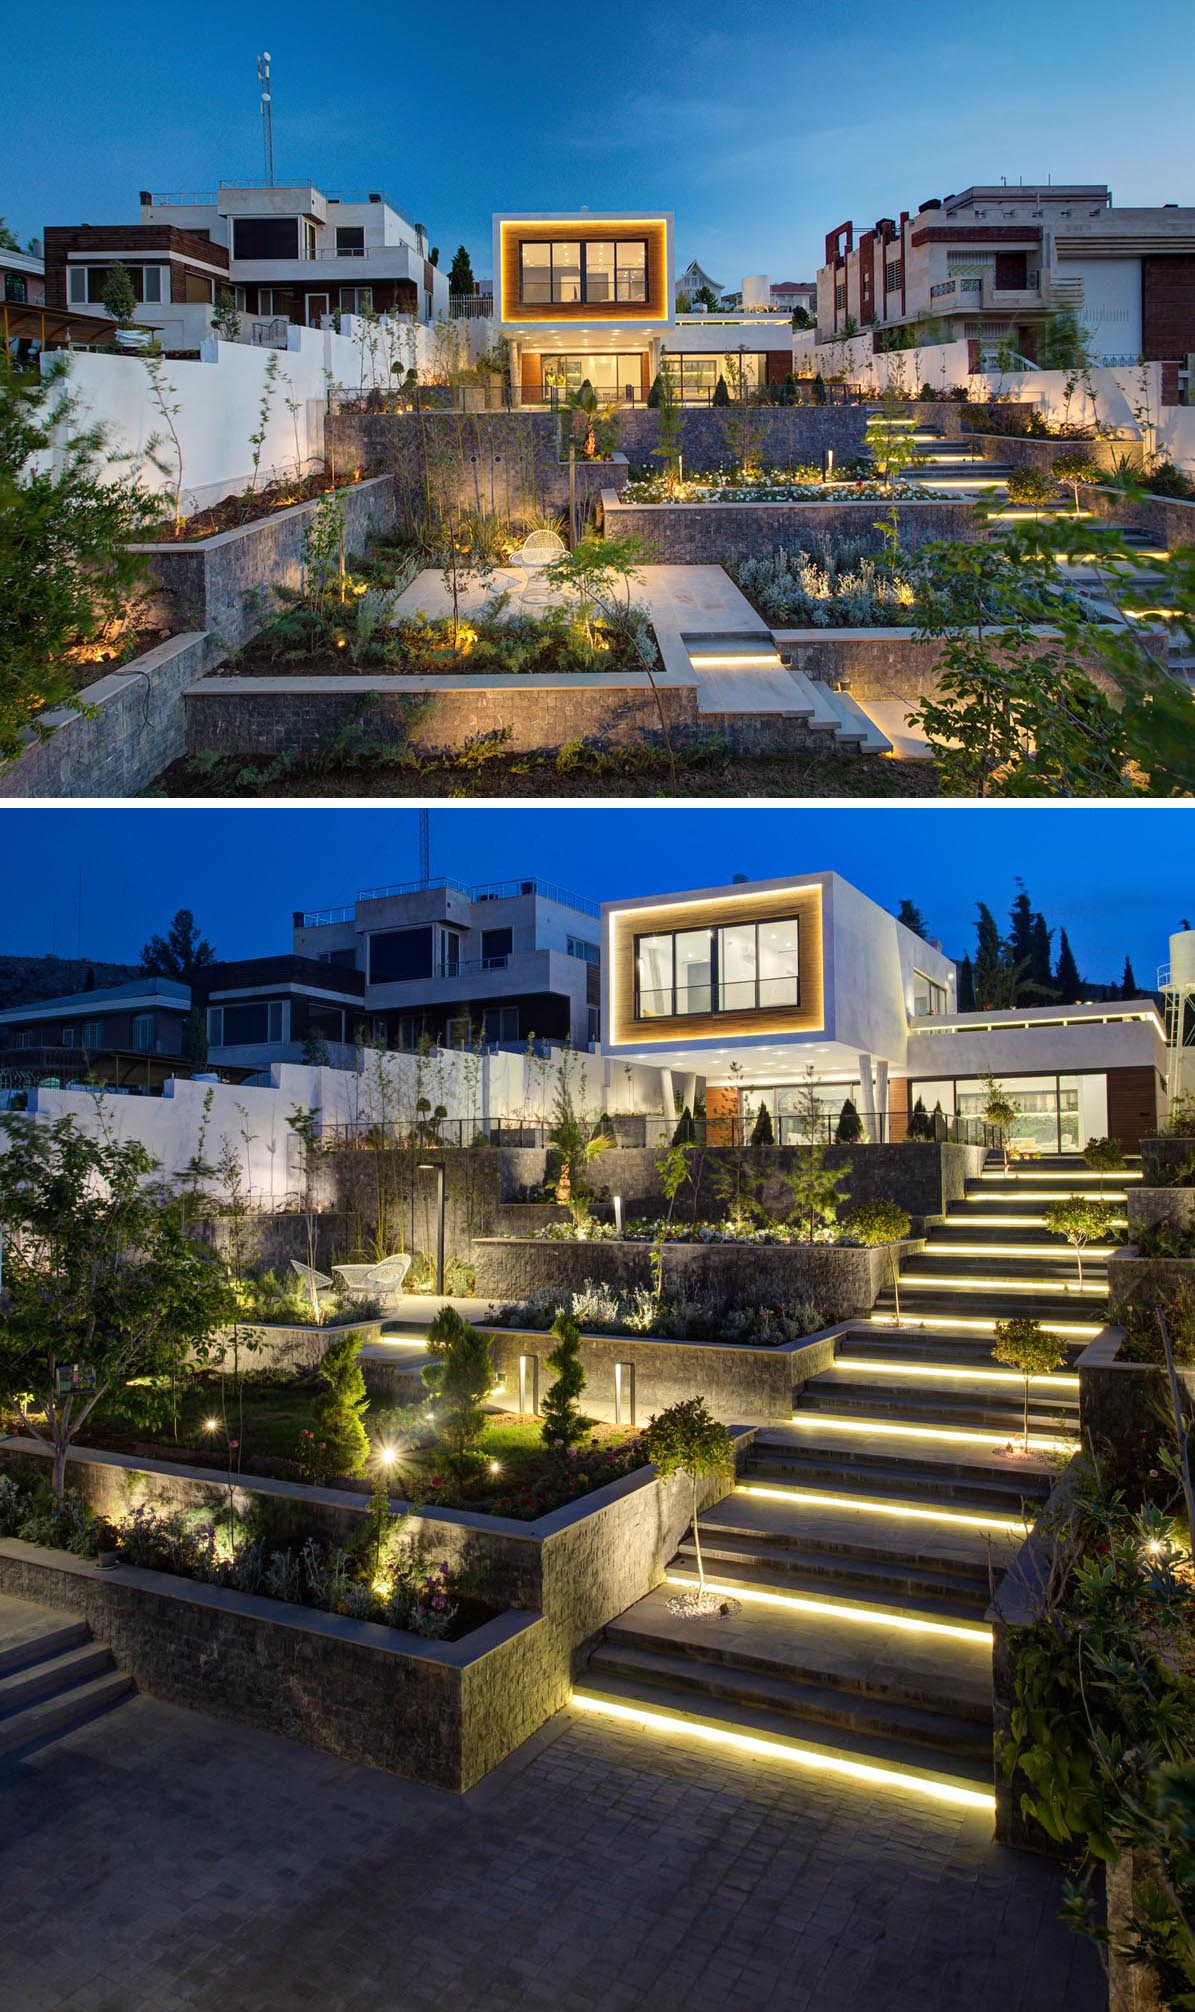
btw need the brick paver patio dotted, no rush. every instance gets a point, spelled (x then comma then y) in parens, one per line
(156, 1859)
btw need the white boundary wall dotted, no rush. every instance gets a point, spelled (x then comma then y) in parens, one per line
(1127, 397)
(255, 1120)
(220, 399)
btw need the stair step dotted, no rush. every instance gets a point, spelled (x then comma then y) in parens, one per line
(47, 1717)
(51, 1674)
(801, 1570)
(999, 1416)
(812, 702)
(886, 1476)
(53, 1640)
(857, 721)
(868, 1758)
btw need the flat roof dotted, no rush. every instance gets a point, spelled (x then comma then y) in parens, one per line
(151, 991)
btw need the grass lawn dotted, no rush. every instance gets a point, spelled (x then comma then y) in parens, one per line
(530, 1478)
(266, 1421)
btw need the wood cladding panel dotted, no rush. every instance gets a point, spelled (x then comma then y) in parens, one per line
(807, 1018)
(1132, 1105)
(572, 230)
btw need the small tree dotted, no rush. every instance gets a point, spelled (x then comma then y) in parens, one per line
(762, 1133)
(459, 1378)
(686, 1131)
(600, 572)
(878, 1222)
(1103, 1156)
(339, 1415)
(670, 444)
(1072, 470)
(1001, 1112)
(673, 1169)
(460, 273)
(226, 317)
(688, 1439)
(1029, 487)
(849, 1129)
(119, 295)
(920, 1125)
(1080, 1219)
(103, 1277)
(721, 397)
(564, 1424)
(1023, 1344)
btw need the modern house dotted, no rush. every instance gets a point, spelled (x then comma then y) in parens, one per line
(588, 296)
(126, 1036)
(22, 277)
(291, 253)
(498, 964)
(746, 988)
(791, 294)
(261, 1010)
(994, 264)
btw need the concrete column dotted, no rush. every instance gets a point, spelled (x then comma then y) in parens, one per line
(867, 1095)
(688, 1091)
(881, 1110)
(668, 1096)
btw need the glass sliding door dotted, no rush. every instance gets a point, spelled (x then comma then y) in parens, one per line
(654, 977)
(694, 971)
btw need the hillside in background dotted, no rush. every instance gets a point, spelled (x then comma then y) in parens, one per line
(24, 980)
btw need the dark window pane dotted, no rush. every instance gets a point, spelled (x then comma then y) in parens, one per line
(397, 954)
(496, 943)
(265, 237)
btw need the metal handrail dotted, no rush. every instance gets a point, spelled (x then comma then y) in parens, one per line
(496, 890)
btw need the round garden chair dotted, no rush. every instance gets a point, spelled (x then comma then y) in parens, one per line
(535, 554)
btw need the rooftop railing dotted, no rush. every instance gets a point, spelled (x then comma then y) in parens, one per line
(494, 890)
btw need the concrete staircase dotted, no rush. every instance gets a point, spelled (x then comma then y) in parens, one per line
(53, 1676)
(752, 673)
(864, 1539)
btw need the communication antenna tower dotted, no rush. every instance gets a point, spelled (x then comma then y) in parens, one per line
(267, 115)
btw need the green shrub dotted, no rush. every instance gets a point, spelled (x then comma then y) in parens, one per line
(849, 1129)
(564, 1424)
(1030, 486)
(878, 1222)
(338, 1417)
(761, 1132)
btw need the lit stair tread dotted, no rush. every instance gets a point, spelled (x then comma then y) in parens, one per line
(863, 1584)
(66, 1709)
(813, 702)
(874, 740)
(979, 1459)
(867, 1531)
(913, 1764)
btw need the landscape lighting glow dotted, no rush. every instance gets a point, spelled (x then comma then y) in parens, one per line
(951, 1435)
(936, 1788)
(934, 1369)
(921, 1281)
(885, 1617)
(1048, 1253)
(901, 1512)
(1081, 1330)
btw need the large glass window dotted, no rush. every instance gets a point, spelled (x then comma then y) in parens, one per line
(739, 968)
(568, 271)
(143, 1032)
(655, 977)
(697, 374)
(265, 237)
(928, 996)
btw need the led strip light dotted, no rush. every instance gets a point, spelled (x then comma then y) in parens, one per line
(900, 1511)
(936, 1788)
(951, 1435)
(893, 1617)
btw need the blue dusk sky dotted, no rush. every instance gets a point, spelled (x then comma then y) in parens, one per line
(762, 125)
(1119, 880)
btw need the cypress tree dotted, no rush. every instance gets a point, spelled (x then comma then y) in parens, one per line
(1039, 953)
(563, 1423)
(910, 915)
(1128, 984)
(762, 1133)
(1067, 982)
(989, 957)
(966, 987)
(1021, 919)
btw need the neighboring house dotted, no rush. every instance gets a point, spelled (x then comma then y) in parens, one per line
(587, 296)
(495, 964)
(126, 1036)
(995, 263)
(794, 293)
(694, 279)
(261, 1010)
(291, 253)
(22, 274)
(744, 988)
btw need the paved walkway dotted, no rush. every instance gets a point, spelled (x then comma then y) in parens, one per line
(676, 597)
(157, 1859)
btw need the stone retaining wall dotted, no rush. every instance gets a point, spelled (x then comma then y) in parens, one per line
(437, 1712)
(296, 1349)
(1165, 519)
(228, 583)
(1147, 1206)
(440, 1712)
(1164, 1154)
(132, 730)
(838, 1281)
(711, 533)
(268, 716)
(742, 1385)
(923, 1178)
(509, 461)
(1121, 1401)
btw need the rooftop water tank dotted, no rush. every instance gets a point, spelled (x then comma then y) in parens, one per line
(1182, 958)
(757, 291)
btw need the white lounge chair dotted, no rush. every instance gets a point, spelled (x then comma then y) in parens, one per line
(535, 555)
(315, 1281)
(367, 1281)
